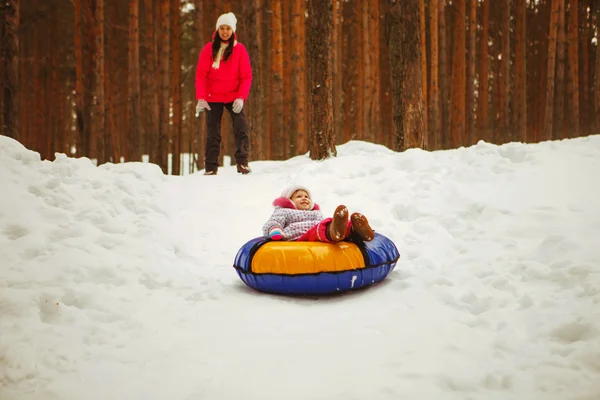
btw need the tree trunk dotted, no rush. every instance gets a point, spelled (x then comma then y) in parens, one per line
(89, 79)
(471, 63)
(520, 89)
(559, 95)
(277, 81)
(150, 98)
(289, 145)
(549, 108)
(483, 127)
(256, 97)
(337, 48)
(573, 68)
(10, 43)
(444, 76)
(176, 133)
(597, 90)
(99, 115)
(165, 84)
(505, 133)
(81, 143)
(423, 29)
(434, 98)
(299, 75)
(407, 90)
(351, 64)
(321, 132)
(457, 116)
(133, 84)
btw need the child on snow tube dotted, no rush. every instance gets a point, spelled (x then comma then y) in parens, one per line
(297, 218)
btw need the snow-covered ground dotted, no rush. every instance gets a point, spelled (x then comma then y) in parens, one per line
(116, 282)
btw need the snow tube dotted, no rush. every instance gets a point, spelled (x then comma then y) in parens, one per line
(308, 268)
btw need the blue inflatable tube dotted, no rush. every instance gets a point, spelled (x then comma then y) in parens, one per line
(375, 260)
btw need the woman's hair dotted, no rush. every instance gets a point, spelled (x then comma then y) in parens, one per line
(216, 45)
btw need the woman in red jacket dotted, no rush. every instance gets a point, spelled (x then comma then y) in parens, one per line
(223, 80)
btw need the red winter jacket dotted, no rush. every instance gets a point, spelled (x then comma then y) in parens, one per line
(232, 80)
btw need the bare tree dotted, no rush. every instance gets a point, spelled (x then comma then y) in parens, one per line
(406, 75)
(457, 115)
(573, 66)
(133, 84)
(434, 98)
(483, 101)
(520, 89)
(10, 44)
(321, 132)
(549, 108)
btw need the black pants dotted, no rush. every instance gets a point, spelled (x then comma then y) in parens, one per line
(213, 135)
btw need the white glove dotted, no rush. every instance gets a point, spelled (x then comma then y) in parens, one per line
(238, 104)
(202, 104)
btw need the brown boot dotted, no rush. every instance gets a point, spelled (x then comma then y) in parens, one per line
(360, 225)
(337, 227)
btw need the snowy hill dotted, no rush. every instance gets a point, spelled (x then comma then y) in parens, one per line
(116, 282)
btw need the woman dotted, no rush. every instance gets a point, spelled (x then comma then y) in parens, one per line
(223, 80)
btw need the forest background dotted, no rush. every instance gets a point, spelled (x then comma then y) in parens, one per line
(113, 80)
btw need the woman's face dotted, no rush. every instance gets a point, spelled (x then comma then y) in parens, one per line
(301, 200)
(225, 32)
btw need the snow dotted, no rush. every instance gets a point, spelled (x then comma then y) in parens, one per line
(116, 282)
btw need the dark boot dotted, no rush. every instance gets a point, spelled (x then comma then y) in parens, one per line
(360, 226)
(337, 227)
(243, 169)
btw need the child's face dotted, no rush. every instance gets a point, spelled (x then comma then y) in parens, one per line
(301, 200)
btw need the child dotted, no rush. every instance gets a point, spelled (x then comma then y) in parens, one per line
(298, 218)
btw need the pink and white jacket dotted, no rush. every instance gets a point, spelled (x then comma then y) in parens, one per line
(293, 222)
(225, 81)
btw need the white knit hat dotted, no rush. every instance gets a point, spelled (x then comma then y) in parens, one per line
(289, 192)
(227, 19)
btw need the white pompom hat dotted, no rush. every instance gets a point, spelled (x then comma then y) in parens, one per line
(289, 192)
(227, 19)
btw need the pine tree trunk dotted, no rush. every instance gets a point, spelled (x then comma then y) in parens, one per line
(176, 133)
(423, 29)
(597, 89)
(351, 63)
(457, 116)
(444, 75)
(82, 129)
(483, 101)
(586, 110)
(336, 69)
(298, 81)
(256, 97)
(520, 89)
(434, 98)
(289, 140)
(150, 88)
(573, 68)
(471, 63)
(505, 133)
(133, 84)
(10, 59)
(165, 84)
(89, 80)
(277, 81)
(559, 95)
(321, 132)
(549, 107)
(386, 136)
(99, 114)
(407, 90)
